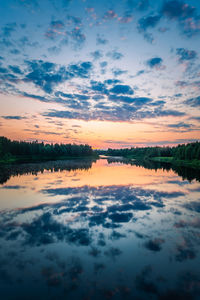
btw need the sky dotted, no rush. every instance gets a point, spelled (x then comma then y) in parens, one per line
(113, 74)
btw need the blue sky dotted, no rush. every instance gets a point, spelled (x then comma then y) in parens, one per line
(90, 71)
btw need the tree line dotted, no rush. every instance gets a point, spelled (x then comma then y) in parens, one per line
(21, 148)
(188, 151)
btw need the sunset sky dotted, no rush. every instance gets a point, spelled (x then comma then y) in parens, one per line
(114, 74)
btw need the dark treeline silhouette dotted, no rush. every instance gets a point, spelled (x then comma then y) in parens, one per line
(189, 151)
(6, 171)
(185, 172)
(18, 148)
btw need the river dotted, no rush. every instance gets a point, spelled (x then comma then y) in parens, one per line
(98, 230)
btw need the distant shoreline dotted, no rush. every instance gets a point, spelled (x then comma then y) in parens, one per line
(32, 159)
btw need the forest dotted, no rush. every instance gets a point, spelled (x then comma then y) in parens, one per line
(10, 150)
(187, 155)
(182, 152)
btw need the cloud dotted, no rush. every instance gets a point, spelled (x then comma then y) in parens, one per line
(77, 36)
(176, 9)
(184, 14)
(8, 29)
(81, 70)
(155, 63)
(54, 50)
(124, 108)
(115, 55)
(169, 112)
(137, 101)
(142, 5)
(98, 86)
(179, 125)
(117, 72)
(74, 34)
(185, 54)
(58, 24)
(100, 40)
(155, 244)
(193, 102)
(185, 251)
(122, 89)
(13, 117)
(47, 75)
(37, 97)
(148, 22)
(15, 69)
(96, 54)
(120, 217)
(144, 283)
(125, 19)
(12, 187)
(112, 81)
(109, 15)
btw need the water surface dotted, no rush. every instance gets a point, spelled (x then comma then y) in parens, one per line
(98, 230)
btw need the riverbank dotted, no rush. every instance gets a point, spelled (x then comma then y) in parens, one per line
(36, 158)
(194, 163)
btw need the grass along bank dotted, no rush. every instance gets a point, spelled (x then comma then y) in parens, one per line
(194, 163)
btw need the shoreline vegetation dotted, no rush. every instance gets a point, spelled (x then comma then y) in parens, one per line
(25, 152)
(184, 155)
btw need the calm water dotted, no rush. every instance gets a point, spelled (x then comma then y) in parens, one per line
(98, 230)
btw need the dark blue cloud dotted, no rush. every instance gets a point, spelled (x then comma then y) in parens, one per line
(185, 54)
(112, 81)
(117, 72)
(155, 62)
(3, 70)
(80, 70)
(143, 4)
(13, 117)
(15, 69)
(73, 20)
(96, 54)
(100, 40)
(176, 9)
(148, 22)
(154, 245)
(124, 108)
(8, 29)
(58, 24)
(184, 14)
(98, 86)
(12, 187)
(109, 15)
(138, 101)
(168, 112)
(194, 102)
(120, 217)
(122, 89)
(77, 36)
(47, 75)
(115, 55)
(179, 125)
(37, 97)
(144, 283)
(185, 251)
(103, 64)
(68, 115)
